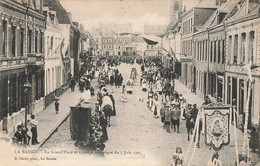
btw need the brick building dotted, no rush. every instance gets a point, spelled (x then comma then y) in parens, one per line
(22, 29)
(192, 21)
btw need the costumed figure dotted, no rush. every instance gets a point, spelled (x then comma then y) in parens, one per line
(150, 99)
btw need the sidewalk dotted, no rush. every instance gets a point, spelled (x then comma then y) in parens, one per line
(190, 97)
(48, 120)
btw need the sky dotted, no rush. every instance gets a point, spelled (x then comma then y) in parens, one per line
(138, 12)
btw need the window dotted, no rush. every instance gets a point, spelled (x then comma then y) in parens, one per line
(41, 42)
(215, 51)
(243, 48)
(235, 49)
(4, 34)
(206, 50)
(191, 25)
(21, 41)
(176, 6)
(36, 42)
(203, 50)
(52, 42)
(251, 46)
(229, 49)
(211, 53)
(13, 38)
(228, 90)
(223, 51)
(219, 51)
(29, 39)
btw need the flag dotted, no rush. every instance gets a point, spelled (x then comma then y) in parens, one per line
(173, 54)
(248, 68)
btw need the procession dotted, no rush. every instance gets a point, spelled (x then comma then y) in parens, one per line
(119, 82)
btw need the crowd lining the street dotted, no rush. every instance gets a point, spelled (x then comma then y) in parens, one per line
(163, 101)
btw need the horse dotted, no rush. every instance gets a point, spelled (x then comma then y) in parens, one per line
(189, 121)
(107, 108)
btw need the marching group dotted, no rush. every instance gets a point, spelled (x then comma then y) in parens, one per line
(165, 102)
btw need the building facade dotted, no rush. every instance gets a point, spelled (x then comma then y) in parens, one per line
(242, 47)
(192, 21)
(53, 60)
(22, 29)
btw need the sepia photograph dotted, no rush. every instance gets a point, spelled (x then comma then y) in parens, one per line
(129, 82)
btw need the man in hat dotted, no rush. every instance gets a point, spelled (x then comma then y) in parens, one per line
(176, 113)
(72, 84)
(168, 117)
(57, 105)
(189, 121)
(18, 137)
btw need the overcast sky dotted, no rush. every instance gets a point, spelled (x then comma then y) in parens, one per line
(92, 12)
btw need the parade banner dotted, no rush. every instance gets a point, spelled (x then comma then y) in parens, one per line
(217, 121)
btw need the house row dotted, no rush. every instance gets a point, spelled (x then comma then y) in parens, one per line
(39, 53)
(118, 39)
(213, 43)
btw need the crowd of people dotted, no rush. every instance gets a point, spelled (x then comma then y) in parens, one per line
(165, 102)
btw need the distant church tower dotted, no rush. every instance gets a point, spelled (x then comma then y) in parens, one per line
(175, 9)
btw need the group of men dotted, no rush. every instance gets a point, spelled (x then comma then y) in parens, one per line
(22, 137)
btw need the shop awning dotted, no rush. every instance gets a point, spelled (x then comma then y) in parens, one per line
(150, 42)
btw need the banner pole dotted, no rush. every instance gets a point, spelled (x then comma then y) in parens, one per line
(196, 128)
(235, 133)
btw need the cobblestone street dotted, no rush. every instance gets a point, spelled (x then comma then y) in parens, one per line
(139, 138)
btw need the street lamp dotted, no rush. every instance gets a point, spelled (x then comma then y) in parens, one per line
(26, 86)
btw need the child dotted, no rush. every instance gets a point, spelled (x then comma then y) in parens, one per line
(124, 94)
(57, 105)
(144, 86)
(178, 154)
(150, 99)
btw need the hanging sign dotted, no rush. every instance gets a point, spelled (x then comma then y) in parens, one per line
(217, 121)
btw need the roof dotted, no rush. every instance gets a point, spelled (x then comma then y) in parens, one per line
(138, 39)
(241, 11)
(207, 4)
(225, 8)
(62, 14)
(157, 30)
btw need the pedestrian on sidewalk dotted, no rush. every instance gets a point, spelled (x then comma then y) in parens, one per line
(57, 106)
(34, 124)
(72, 84)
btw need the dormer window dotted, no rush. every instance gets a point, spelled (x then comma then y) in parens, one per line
(52, 17)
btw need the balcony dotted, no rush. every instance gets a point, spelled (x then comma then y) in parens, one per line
(7, 62)
(35, 59)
